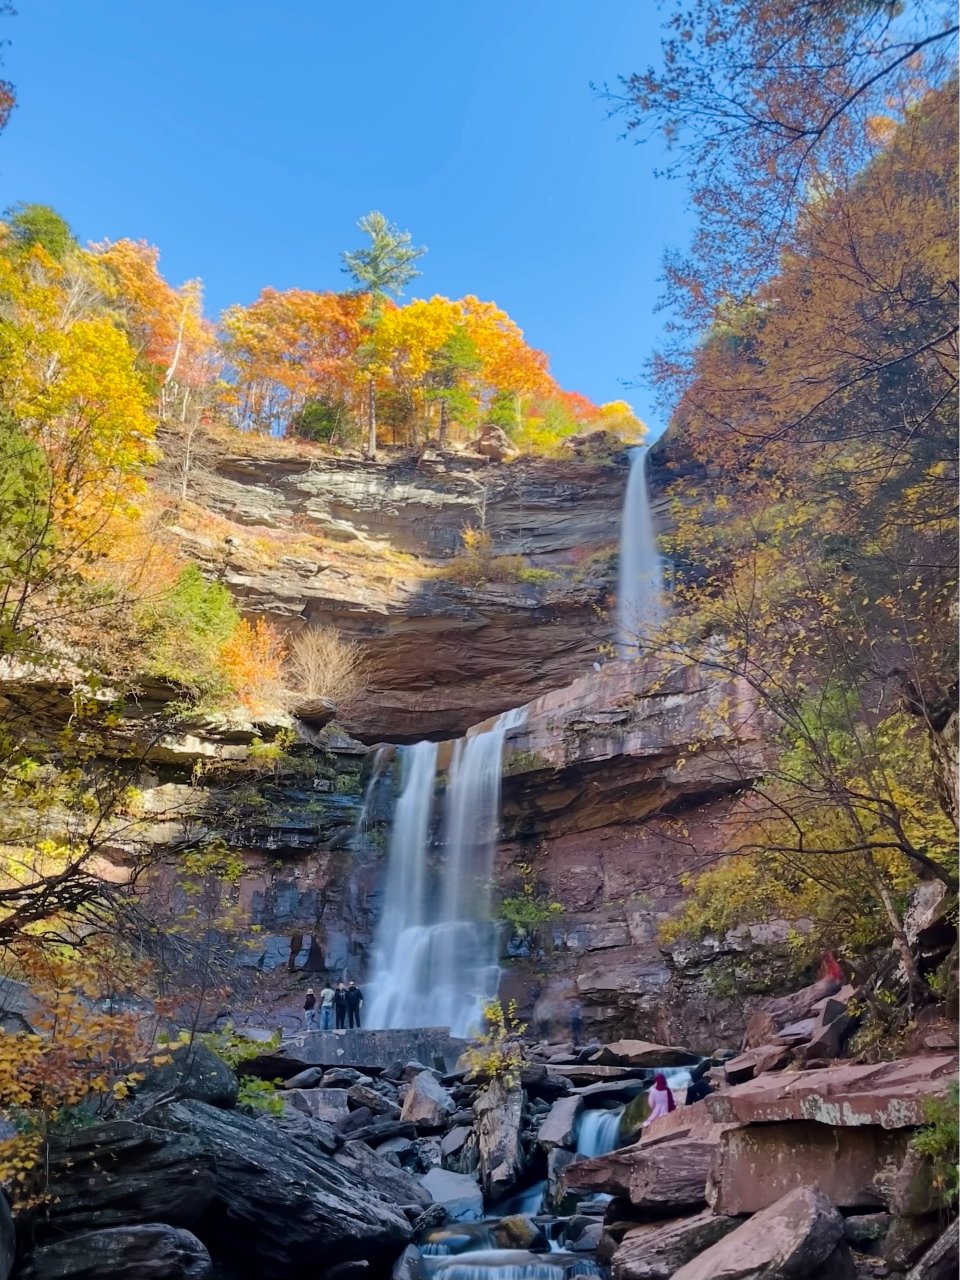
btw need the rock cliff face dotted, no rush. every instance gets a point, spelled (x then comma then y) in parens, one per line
(366, 546)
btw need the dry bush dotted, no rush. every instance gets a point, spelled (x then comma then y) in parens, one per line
(322, 664)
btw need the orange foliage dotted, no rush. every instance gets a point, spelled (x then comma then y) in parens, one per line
(252, 659)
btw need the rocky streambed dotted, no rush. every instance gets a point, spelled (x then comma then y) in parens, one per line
(384, 1155)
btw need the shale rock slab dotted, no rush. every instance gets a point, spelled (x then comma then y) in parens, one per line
(427, 1104)
(655, 1251)
(151, 1251)
(800, 1237)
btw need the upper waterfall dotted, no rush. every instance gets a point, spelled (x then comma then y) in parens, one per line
(435, 950)
(640, 571)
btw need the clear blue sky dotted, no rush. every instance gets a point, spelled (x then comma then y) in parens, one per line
(245, 139)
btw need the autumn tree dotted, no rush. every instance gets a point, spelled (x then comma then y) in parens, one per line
(380, 270)
(817, 563)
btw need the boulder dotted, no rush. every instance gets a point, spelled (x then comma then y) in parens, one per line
(867, 1230)
(659, 1176)
(643, 1053)
(780, 1012)
(361, 1095)
(518, 1231)
(588, 1241)
(122, 1173)
(451, 1143)
(427, 1104)
(558, 1159)
(656, 1250)
(329, 1105)
(494, 443)
(908, 1189)
(313, 1078)
(939, 1262)
(499, 1113)
(758, 1164)
(279, 1203)
(459, 1194)
(408, 1265)
(317, 1132)
(195, 1072)
(908, 1240)
(150, 1251)
(888, 1094)
(800, 1237)
(559, 1128)
(380, 1130)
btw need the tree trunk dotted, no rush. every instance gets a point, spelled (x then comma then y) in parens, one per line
(442, 436)
(371, 419)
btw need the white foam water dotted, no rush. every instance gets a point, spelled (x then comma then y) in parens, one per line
(640, 571)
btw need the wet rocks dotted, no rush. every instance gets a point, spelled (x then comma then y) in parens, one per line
(151, 1251)
(427, 1104)
(660, 1177)
(459, 1194)
(559, 1127)
(799, 1237)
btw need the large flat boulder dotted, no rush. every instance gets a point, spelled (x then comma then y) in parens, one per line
(329, 1105)
(888, 1094)
(758, 1164)
(152, 1251)
(499, 1111)
(655, 1250)
(367, 1051)
(661, 1176)
(280, 1203)
(644, 1053)
(800, 1237)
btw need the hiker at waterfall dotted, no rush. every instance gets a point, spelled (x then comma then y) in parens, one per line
(699, 1086)
(354, 998)
(310, 1008)
(340, 1005)
(576, 1023)
(326, 1007)
(659, 1099)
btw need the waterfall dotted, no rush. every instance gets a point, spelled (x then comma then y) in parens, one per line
(640, 573)
(598, 1132)
(435, 951)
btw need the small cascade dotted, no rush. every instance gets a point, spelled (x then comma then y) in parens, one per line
(598, 1132)
(510, 1264)
(360, 838)
(640, 571)
(436, 946)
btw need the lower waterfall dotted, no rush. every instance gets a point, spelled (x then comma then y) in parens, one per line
(435, 959)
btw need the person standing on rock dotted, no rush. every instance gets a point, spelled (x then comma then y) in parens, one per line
(326, 1007)
(310, 1009)
(354, 998)
(340, 1005)
(659, 1099)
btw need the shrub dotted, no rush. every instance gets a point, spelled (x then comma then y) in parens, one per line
(324, 665)
(939, 1140)
(496, 1053)
(187, 626)
(252, 658)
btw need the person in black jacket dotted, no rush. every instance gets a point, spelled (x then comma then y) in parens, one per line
(310, 1009)
(354, 999)
(340, 1005)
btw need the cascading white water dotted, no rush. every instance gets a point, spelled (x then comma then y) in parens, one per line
(598, 1132)
(396, 977)
(435, 961)
(640, 571)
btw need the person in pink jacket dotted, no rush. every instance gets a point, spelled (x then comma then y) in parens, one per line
(660, 1099)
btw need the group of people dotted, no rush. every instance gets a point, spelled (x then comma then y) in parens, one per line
(343, 1003)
